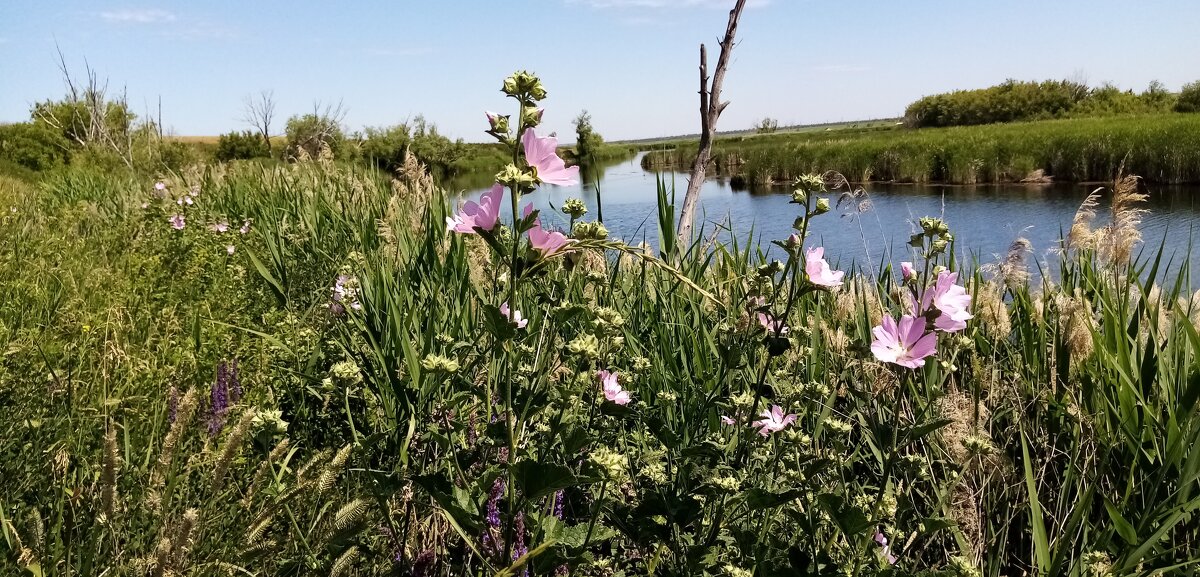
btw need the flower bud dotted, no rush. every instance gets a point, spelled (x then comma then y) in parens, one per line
(793, 242)
(938, 246)
(498, 123)
(574, 208)
(512, 176)
(590, 230)
(799, 196)
(531, 116)
(811, 183)
(822, 206)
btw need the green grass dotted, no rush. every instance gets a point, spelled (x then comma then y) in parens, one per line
(1160, 148)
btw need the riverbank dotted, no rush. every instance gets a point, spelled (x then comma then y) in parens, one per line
(1161, 148)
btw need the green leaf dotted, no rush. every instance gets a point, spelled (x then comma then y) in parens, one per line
(1123, 527)
(849, 519)
(919, 432)
(573, 536)
(267, 276)
(540, 479)
(436, 485)
(1041, 545)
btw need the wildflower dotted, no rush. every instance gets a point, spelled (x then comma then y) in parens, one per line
(345, 290)
(541, 154)
(185, 200)
(951, 301)
(177, 222)
(229, 249)
(513, 316)
(519, 547)
(245, 227)
(612, 389)
(483, 215)
(222, 226)
(145, 205)
(727, 420)
(219, 404)
(548, 243)
(818, 270)
(772, 324)
(907, 271)
(882, 541)
(160, 186)
(773, 421)
(906, 345)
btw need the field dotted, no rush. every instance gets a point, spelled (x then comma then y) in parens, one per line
(1161, 148)
(313, 368)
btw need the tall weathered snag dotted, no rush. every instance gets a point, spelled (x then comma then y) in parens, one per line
(710, 110)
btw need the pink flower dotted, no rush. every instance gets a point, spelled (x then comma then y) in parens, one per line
(145, 205)
(545, 242)
(818, 270)
(177, 222)
(222, 226)
(907, 271)
(483, 215)
(882, 541)
(542, 155)
(513, 316)
(185, 200)
(951, 301)
(245, 227)
(612, 389)
(230, 249)
(772, 325)
(906, 345)
(773, 421)
(160, 185)
(726, 419)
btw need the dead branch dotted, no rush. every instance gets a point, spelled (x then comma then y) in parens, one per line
(711, 108)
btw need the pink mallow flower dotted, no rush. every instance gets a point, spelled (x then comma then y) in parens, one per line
(818, 270)
(612, 389)
(542, 155)
(906, 345)
(513, 317)
(772, 324)
(548, 243)
(222, 226)
(230, 249)
(177, 222)
(773, 421)
(907, 271)
(882, 541)
(484, 214)
(951, 301)
(726, 419)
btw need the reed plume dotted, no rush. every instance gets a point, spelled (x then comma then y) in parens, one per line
(1081, 236)
(233, 445)
(1122, 232)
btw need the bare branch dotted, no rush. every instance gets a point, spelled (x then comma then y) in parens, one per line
(259, 112)
(711, 108)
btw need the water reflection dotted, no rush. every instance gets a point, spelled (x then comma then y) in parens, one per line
(985, 218)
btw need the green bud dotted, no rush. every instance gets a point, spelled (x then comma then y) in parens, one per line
(799, 196)
(531, 116)
(498, 123)
(515, 177)
(590, 230)
(798, 224)
(811, 183)
(916, 240)
(822, 206)
(439, 364)
(938, 246)
(574, 208)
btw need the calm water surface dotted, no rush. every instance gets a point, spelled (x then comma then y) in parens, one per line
(984, 219)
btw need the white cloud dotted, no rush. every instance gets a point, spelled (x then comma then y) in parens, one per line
(666, 4)
(138, 16)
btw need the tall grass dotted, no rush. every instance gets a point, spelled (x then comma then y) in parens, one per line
(1057, 435)
(1160, 148)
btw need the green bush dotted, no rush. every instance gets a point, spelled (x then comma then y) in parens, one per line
(385, 147)
(1189, 98)
(33, 145)
(1015, 100)
(309, 133)
(241, 146)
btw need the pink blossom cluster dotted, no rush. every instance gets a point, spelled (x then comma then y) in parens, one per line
(944, 305)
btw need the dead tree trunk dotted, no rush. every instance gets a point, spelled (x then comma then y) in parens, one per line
(710, 110)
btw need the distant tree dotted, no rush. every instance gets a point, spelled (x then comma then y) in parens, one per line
(321, 128)
(1189, 98)
(241, 146)
(767, 126)
(33, 145)
(587, 140)
(259, 112)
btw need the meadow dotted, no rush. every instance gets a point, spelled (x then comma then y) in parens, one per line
(1159, 147)
(322, 368)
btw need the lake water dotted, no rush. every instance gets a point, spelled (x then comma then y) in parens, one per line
(985, 219)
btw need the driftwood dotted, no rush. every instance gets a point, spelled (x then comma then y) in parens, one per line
(710, 109)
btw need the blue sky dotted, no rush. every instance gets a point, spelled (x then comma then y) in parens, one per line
(631, 63)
